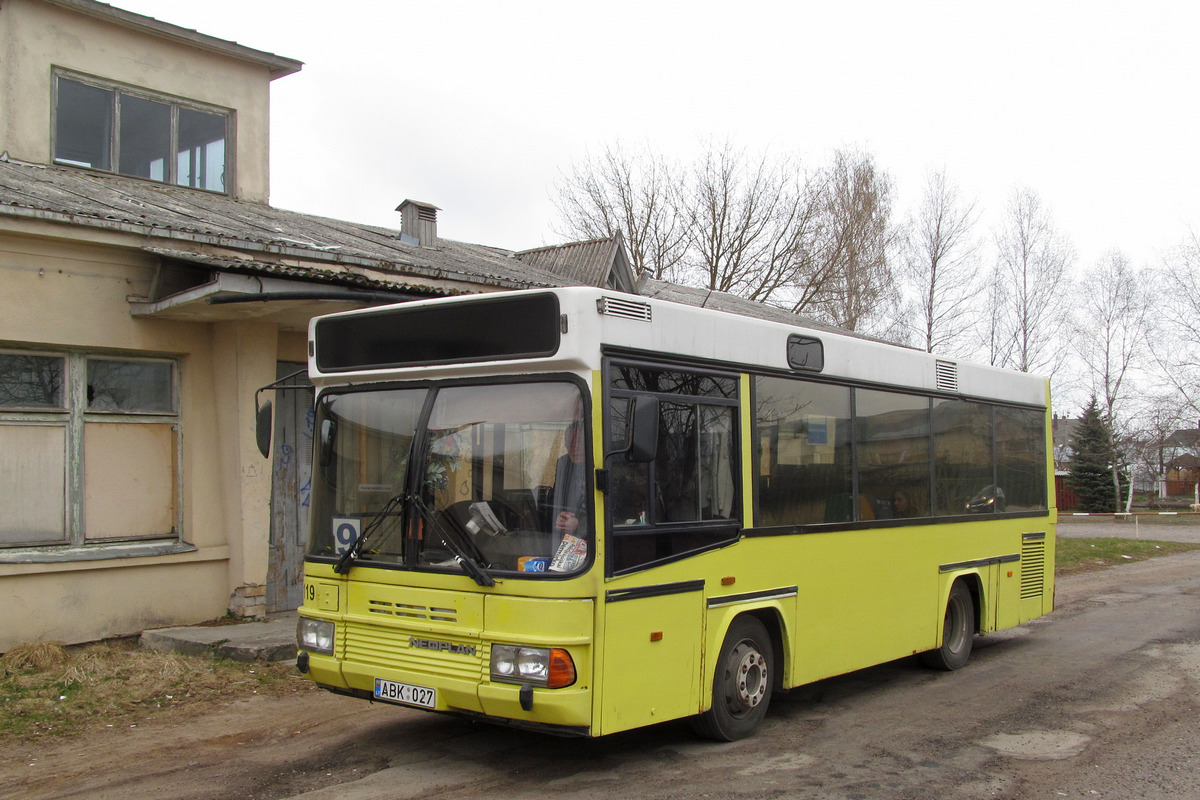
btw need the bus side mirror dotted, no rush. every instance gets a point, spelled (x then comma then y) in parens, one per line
(328, 434)
(642, 444)
(262, 428)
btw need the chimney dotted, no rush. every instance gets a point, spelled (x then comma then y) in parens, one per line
(418, 223)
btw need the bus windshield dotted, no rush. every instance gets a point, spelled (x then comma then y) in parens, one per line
(429, 478)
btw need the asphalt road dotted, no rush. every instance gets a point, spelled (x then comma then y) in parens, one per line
(1101, 699)
(1169, 528)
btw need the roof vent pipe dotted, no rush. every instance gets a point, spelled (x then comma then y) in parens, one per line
(418, 223)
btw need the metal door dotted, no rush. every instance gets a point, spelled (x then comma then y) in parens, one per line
(291, 487)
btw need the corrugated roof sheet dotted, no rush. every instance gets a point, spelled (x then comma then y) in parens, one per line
(188, 224)
(587, 263)
(179, 218)
(732, 304)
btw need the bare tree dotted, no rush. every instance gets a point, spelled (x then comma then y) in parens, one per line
(1110, 323)
(752, 225)
(857, 237)
(750, 221)
(941, 262)
(1176, 342)
(1160, 417)
(1031, 273)
(628, 192)
(995, 340)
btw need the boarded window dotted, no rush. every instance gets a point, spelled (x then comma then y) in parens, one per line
(33, 481)
(89, 449)
(137, 498)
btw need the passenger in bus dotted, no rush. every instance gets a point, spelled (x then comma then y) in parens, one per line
(902, 505)
(570, 485)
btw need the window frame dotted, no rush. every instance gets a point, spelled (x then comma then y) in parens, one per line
(720, 532)
(73, 417)
(175, 103)
(931, 517)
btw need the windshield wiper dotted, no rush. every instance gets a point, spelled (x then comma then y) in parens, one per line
(356, 547)
(467, 553)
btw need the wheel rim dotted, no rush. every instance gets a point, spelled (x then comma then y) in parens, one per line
(956, 625)
(746, 679)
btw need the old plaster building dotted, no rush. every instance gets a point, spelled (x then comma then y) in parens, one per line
(149, 291)
(133, 207)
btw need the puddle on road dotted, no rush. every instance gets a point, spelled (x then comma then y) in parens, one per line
(1038, 745)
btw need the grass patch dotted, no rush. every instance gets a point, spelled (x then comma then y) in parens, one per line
(1074, 554)
(47, 690)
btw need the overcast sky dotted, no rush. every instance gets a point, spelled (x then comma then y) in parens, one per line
(478, 107)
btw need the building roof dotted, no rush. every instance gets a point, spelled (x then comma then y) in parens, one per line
(590, 263)
(209, 245)
(732, 304)
(190, 224)
(1184, 437)
(278, 66)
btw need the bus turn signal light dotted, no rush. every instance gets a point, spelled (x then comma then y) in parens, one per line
(562, 669)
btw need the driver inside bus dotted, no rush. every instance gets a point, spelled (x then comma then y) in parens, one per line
(570, 485)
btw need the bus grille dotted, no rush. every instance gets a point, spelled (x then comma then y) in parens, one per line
(424, 652)
(412, 611)
(1033, 568)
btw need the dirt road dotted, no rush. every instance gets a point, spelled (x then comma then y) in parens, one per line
(1098, 700)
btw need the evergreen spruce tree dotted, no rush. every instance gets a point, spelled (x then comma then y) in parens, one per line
(1091, 465)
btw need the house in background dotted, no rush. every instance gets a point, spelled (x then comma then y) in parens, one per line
(133, 219)
(1063, 431)
(1181, 451)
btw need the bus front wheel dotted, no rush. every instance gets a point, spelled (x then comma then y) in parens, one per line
(741, 689)
(958, 630)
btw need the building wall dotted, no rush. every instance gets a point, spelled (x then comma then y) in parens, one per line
(66, 289)
(34, 35)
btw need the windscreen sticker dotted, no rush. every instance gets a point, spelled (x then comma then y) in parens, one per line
(345, 531)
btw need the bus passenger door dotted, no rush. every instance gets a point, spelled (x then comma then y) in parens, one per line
(651, 658)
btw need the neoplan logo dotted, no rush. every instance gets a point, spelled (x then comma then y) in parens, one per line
(444, 647)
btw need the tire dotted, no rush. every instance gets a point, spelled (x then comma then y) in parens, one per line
(741, 688)
(958, 630)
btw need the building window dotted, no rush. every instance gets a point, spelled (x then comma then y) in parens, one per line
(134, 132)
(89, 449)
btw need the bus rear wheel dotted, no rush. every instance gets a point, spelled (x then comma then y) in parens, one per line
(958, 630)
(741, 688)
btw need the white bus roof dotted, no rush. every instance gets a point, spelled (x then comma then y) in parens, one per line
(593, 319)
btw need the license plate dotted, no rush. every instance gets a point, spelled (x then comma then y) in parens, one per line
(405, 693)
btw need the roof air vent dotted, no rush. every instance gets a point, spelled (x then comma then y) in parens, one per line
(619, 307)
(418, 223)
(947, 376)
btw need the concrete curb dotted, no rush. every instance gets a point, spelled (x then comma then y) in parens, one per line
(272, 640)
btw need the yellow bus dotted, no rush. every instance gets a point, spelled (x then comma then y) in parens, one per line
(584, 511)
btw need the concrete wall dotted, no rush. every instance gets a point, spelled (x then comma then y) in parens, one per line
(66, 289)
(35, 35)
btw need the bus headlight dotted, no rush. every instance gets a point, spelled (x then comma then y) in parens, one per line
(551, 667)
(315, 635)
